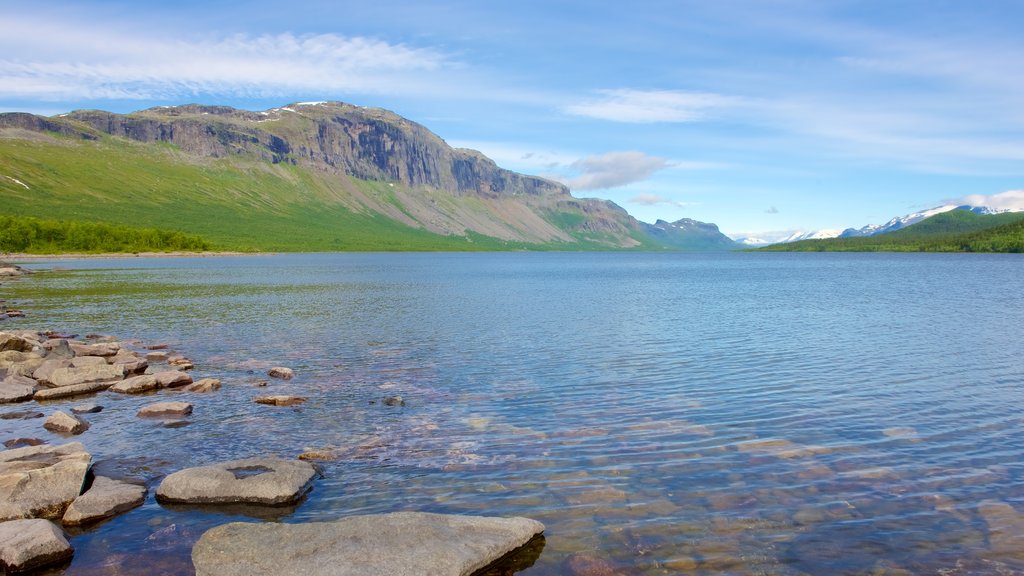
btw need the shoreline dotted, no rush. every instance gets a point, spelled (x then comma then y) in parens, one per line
(23, 257)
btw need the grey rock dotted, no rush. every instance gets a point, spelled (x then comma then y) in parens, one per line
(41, 481)
(11, 391)
(281, 372)
(166, 409)
(65, 423)
(132, 366)
(30, 544)
(205, 385)
(136, 384)
(69, 391)
(99, 349)
(172, 379)
(157, 356)
(271, 481)
(398, 544)
(21, 415)
(83, 361)
(91, 408)
(47, 368)
(58, 348)
(86, 374)
(105, 498)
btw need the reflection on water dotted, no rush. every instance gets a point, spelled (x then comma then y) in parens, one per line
(731, 414)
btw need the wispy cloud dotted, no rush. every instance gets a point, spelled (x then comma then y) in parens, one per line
(1009, 200)
(649, 106)
(771, 210)
(126, 65)
(648, 199)
(614, 169)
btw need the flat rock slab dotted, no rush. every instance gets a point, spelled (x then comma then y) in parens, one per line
(398, 544)
(269, 481)
(279, 400)
(72, 376)
(41, 481)
(99, 349)
(166, 409)
(172, 378)
(65, 423)
(30, 544)
(136, 385)
(205, 385)
(12, 391)
(73, 390)
(105, 498)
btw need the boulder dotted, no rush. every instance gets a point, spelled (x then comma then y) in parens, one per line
(270, 481)
(172, 379)
(133, 365)
(166, 409)
(136, 385)
(23, 363)
(65, 423)
(204, 385)
(99, 349)
(41, 481)
(10, 341)
(397, 544)
(30, 544)
(279, 400)
(12, 391)
(47, 368)
(281, 372)
(83, 361)
(68, 391)
(58, 348)
(105, 498)
(72, 376)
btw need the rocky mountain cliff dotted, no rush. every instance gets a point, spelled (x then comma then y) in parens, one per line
(411, 175)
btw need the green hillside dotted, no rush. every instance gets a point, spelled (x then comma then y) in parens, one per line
(35, 236)
(953, 231)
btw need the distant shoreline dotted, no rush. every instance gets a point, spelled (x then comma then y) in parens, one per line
(21, 257)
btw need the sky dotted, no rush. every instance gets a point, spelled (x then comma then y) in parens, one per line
(761, 116)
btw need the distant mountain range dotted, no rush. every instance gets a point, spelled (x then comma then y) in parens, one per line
(896, 223)
(313, 176)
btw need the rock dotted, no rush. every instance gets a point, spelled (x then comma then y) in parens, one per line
(41, 481)
(136, 385)
(59, 348)
(83, 361)
(21, 415)
(279, 400)
(105, 498)
(157, 356)
(11, 391)
(157, 347)
(30, 544)
(90, 408)
(587, 565)
(398, 544)
(181, 363)
(270, 481)
(86, 374)
(172, 379)
(47, 368)
(65, 423)
(23, 363)
(281, 372)
(22, 442)
(99, 349)
(204, 385)
(10, 341)
(133, 365)
(166, 409)
(68, 391)
(394, 401)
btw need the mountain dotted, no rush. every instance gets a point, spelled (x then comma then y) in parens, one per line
(956, 230)
(766, 238)
(690, 235)
(307, 176)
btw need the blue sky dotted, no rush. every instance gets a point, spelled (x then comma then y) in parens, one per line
(758, 115)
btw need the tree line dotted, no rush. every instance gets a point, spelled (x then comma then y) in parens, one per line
(39, 236)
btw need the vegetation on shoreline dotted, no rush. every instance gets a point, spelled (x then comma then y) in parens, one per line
(37, 236)
(954, 231)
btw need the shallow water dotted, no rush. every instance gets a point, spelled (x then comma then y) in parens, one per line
(660, 413)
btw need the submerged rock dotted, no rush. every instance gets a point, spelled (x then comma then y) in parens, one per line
(65, 423)
(90, 408)
(41, 481)
(279, 400)
(398, 544)
(30, 544)
(281, 372)
(271, 481)
(166, 409)
(22, 442)
(105, 498)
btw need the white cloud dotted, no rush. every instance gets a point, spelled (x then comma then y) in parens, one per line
(649, 106)
(648, 199)
(614, 169)
(62, 65)
(1009, 200)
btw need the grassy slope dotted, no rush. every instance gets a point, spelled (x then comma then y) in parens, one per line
(954, 231)
(235, 204)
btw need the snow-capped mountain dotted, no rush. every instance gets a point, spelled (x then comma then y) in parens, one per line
(766, 238)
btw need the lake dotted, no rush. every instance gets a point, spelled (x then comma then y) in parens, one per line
(660, 413)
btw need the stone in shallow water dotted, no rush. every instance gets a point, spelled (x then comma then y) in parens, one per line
(281, 372)
(12, 391)
(204, 385)
(91, 408)
(136, 385)
(22, 442)
(65, 423)
(73, 390)
(166, 409)
(279, 400)
(270, 481)
(29, 544)
(105, 498)
(398, 544)
(172, 378)
(41, 481)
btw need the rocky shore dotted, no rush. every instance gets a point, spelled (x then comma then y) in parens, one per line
(46, 488)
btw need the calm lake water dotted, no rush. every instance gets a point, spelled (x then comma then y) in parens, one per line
(660, 413)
